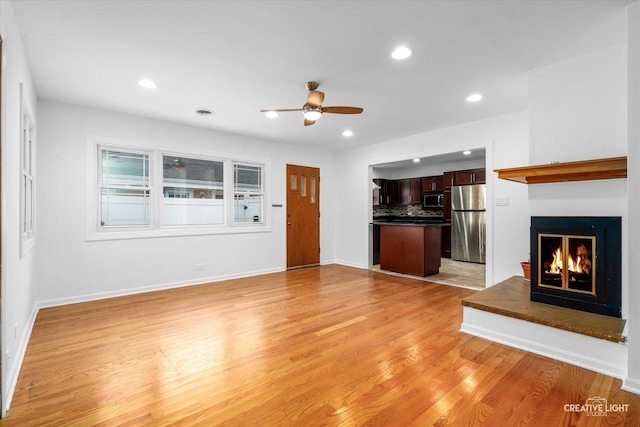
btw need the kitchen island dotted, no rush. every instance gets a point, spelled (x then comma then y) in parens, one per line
(410, 248)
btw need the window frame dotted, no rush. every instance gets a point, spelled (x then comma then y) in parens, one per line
(157, 228)
(194, 156)
(27, 176)
(100, 186)
(235, 163)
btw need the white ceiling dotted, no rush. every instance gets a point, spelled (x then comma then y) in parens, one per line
(238, 57)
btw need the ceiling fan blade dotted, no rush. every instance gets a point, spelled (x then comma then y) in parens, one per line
(309, 122)
(315, 98)
(282, 110)
(342, 110)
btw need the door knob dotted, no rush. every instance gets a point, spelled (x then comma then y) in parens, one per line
(289, 223)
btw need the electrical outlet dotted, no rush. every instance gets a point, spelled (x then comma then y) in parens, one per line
(199, 267)
(502, 201)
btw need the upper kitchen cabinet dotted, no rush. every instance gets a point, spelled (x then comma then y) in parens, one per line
(410, 191)
(387, 194)
(393, 192)
(432, 183)
(447, 180)
(471, 176)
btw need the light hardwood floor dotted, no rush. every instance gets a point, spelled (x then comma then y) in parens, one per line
(329, 345)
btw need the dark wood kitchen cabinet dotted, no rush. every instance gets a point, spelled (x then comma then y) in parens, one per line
(446, 240)
(410, 249)
(446, 208)
(416, 191)
(432, 183)
(410, 191)
(388, 194)
(471, 176)
(393, 192)
(380, 194)
(447, 180)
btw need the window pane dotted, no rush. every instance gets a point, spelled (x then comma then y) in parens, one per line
(248, 208)
(124, 207)
(193, 191)
(29, 207)
(313, 190)
(121, 168)
(248, 178)
(249, 194)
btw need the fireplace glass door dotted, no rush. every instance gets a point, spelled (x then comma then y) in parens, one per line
(567, 262)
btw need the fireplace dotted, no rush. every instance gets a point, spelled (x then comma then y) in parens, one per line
(576, 263)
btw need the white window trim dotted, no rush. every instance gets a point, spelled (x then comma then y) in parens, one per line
(27, 130)
(93, 232)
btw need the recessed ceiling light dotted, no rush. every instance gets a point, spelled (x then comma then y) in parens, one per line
(147, 84)
(416, 160)
(401, 52)
(347, 133)
(466, 153)
(204, 112)
(474, 97)
(271, 114)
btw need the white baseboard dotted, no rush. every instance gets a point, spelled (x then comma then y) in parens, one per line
(13, 371)
(632, 385)
(351, 264)
(158, 287)
(587, 352)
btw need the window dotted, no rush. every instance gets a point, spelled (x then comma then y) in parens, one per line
(193, 191)
(148, 192)
(27, 178)
(248, 193)
(125, 188)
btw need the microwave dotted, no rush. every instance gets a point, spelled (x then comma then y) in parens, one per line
(433, 200)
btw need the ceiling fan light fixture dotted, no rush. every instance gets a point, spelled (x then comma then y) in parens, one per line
(271, 114)
(401, 52)
(474, 97)
(147, 84)
(312, 114)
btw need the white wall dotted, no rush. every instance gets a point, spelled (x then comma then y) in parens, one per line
(18, 283)
(578, 111)
(70, 268)
(420, 171)
(505, 138)
(632, 382)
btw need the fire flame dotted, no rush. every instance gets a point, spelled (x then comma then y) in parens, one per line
(578, 265)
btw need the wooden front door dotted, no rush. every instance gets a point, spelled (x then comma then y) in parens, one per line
(303, 216)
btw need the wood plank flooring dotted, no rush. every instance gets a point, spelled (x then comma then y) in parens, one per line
(330, 345)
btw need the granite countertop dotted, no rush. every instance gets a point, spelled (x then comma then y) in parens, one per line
(411, 221)
(412, 224)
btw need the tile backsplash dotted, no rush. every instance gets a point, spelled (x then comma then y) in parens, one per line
(404, 211)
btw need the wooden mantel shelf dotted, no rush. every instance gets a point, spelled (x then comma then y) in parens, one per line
(586, 170)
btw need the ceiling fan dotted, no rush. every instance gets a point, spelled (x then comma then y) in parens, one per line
(313, 109)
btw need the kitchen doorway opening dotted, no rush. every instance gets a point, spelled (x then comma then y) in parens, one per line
(411, 192)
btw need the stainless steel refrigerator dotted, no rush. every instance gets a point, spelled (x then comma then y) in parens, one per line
(468, 223)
